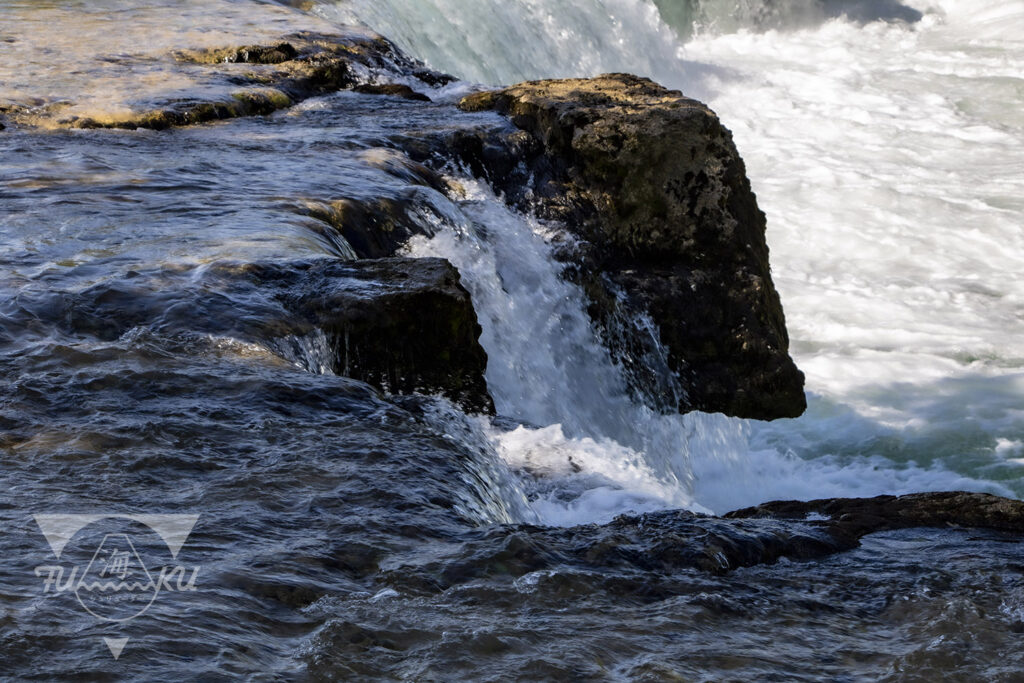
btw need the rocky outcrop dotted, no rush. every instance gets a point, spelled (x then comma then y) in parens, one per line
(661, 219)
(849, 519)
(652, 186)
(253, 80)
(402, 325)
(665, 542)
(380, 226)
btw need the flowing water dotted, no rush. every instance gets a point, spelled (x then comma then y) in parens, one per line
(885, 142)
(344, 534)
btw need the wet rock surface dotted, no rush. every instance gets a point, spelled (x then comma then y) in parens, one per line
(304, 65)
(655, 543)
(402, 325)
(652, 184)
(661, 217)
(254, 80)
(849, 519)
(381, 226)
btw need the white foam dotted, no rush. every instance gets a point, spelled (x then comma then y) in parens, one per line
(585, 480)
(1006, 447)
(894, 220)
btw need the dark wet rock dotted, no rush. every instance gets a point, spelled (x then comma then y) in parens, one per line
(849, 519)
(393, 89)
(306, 64)
(434, 79)
(374, 228)
(652, 185)
(253, 54)
(654, 544)
(381, 226)
(402, 325)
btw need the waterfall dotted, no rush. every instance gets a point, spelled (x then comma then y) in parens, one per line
(586, 447)
(873, 132)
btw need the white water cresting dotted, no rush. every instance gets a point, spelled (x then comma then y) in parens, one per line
(887, 150)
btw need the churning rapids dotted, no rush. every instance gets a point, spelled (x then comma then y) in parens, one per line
(347, 534)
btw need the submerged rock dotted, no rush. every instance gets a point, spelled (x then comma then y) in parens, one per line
(660, 544)
(652, 184)
(380, 226)
(393, 89)
(374, 228)
(404, 325)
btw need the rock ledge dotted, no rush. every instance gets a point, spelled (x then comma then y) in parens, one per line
(651, 184)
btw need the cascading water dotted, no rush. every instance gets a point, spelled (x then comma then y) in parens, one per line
(592, 450)
(885, 203)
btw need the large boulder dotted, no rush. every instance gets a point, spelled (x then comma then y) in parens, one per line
(664, 223)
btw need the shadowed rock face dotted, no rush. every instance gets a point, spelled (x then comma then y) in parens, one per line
(402, 325)
(653, 185)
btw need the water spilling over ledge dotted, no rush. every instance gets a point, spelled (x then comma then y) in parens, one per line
(288, 309)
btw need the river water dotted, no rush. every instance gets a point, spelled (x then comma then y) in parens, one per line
(343, 534)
